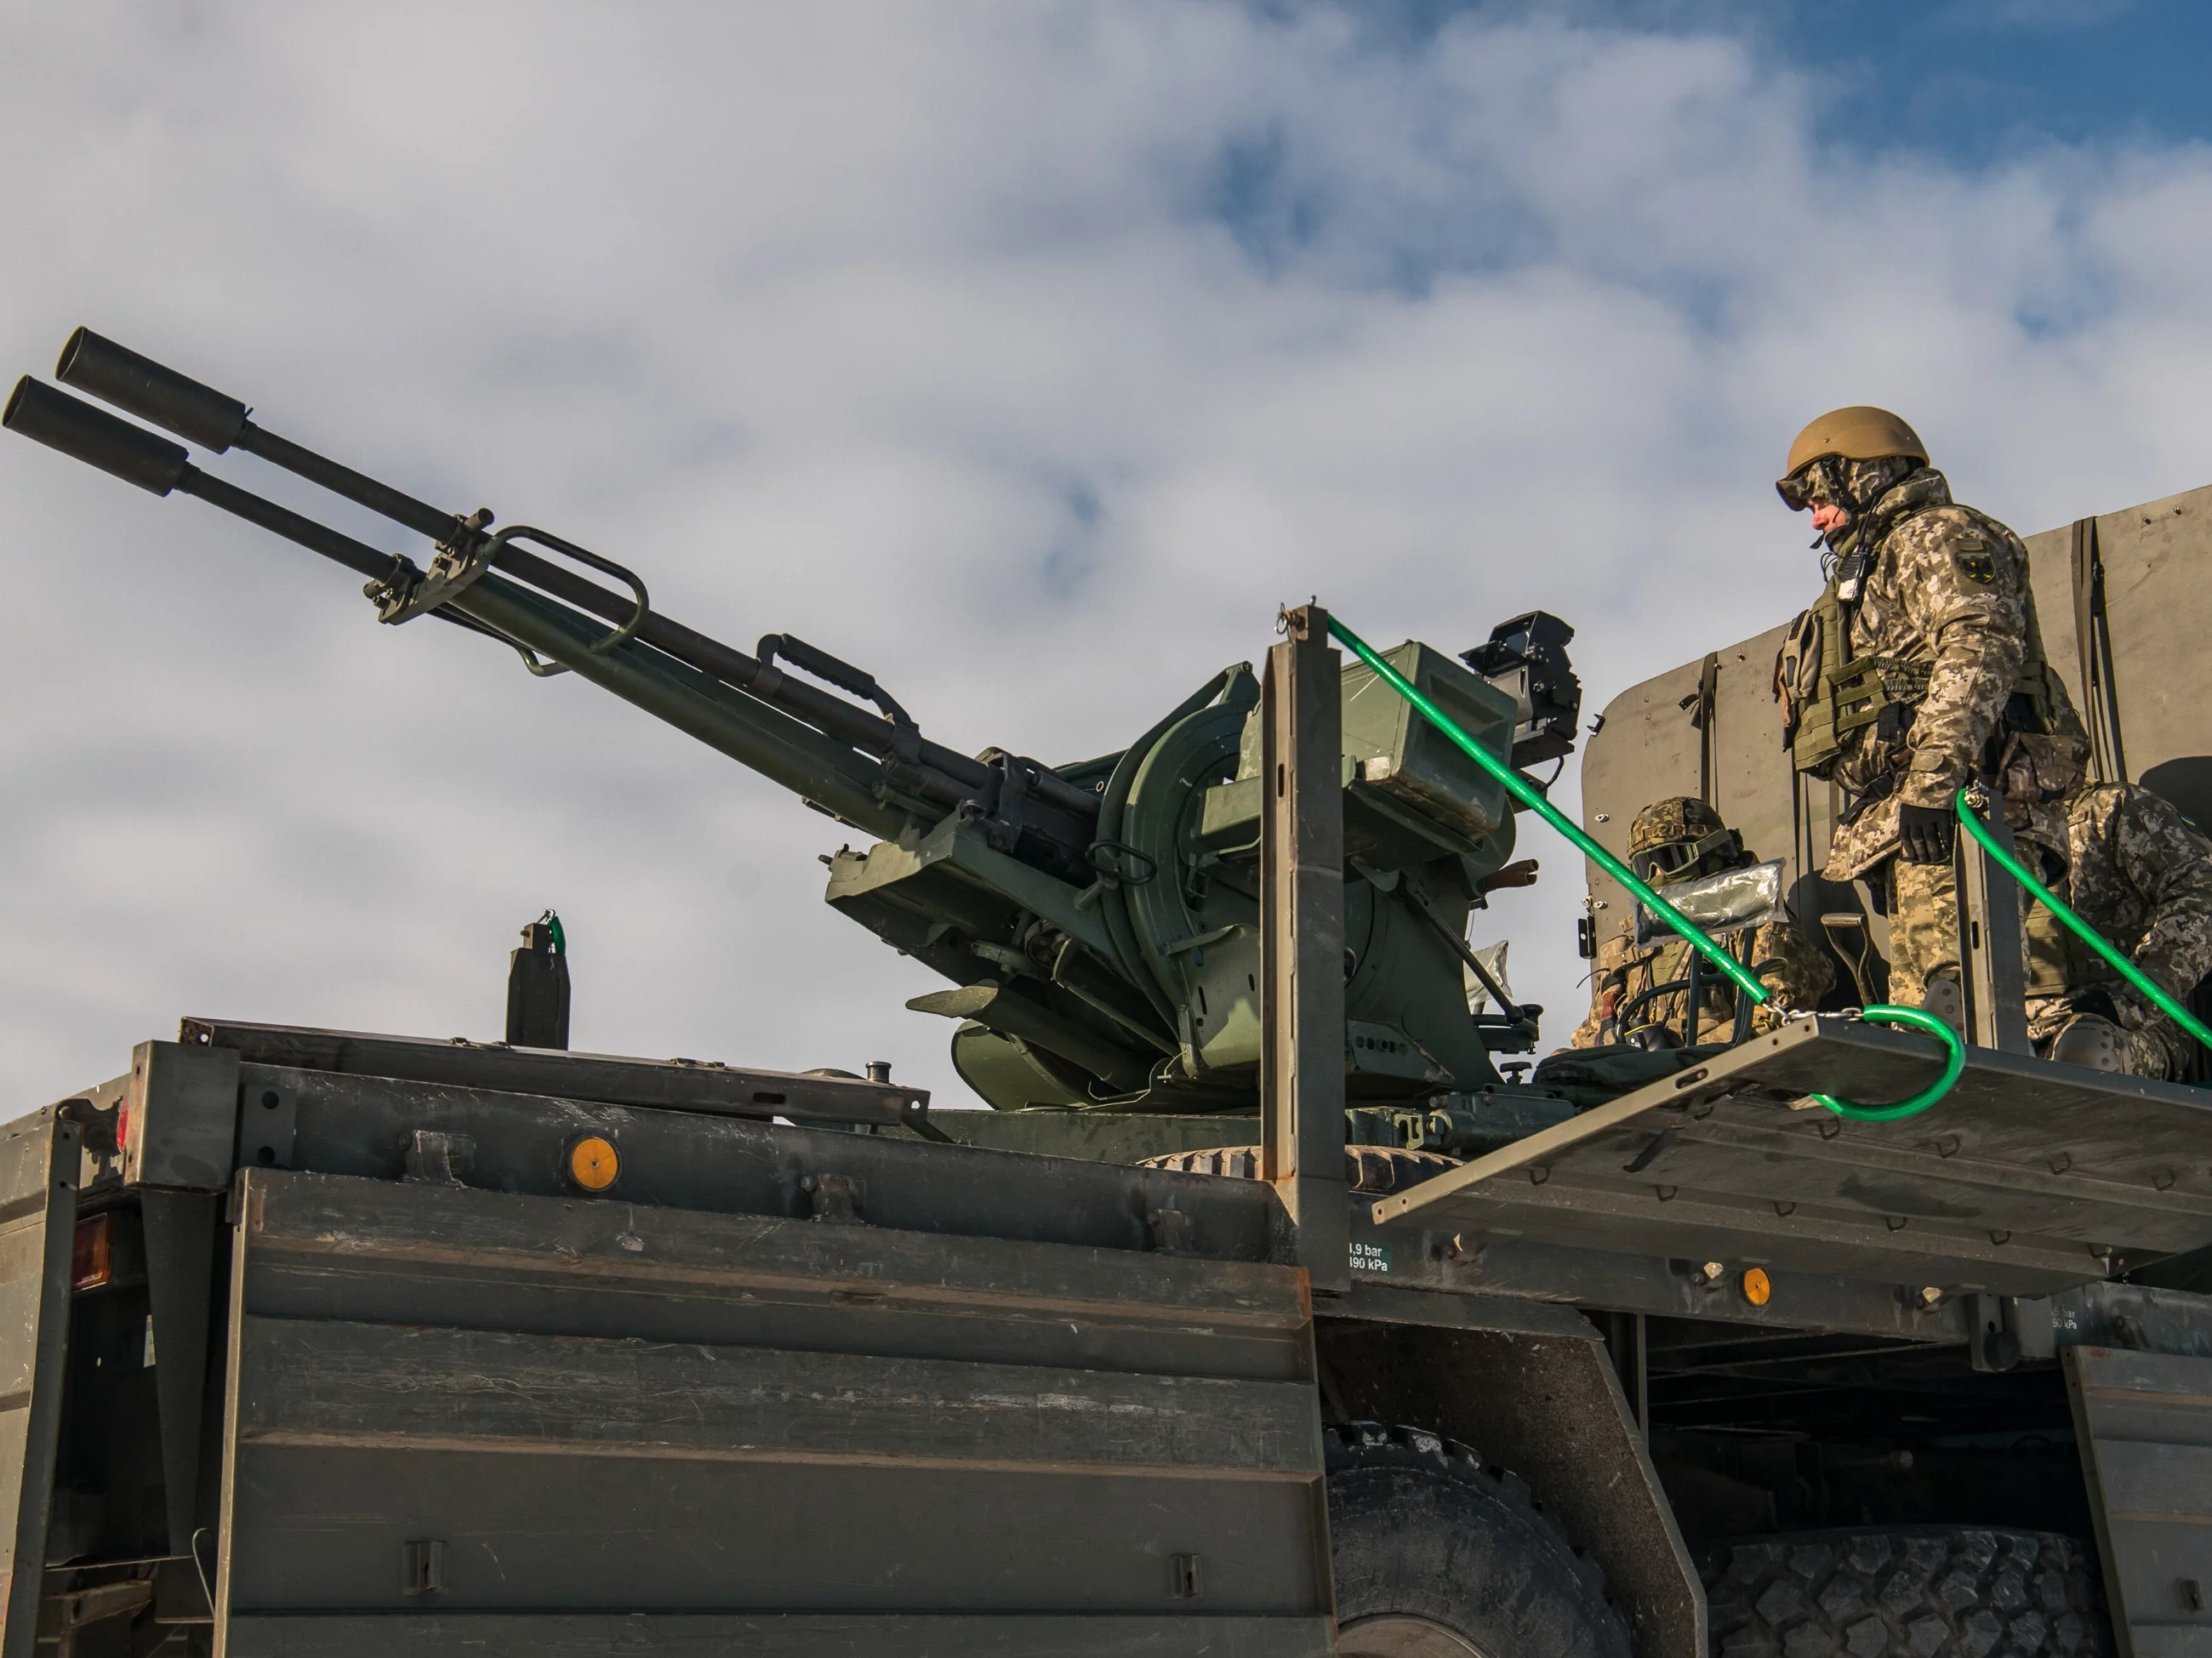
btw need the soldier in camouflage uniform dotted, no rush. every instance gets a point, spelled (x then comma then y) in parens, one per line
(2133, 868)
(1923, 650)
(1680, 840)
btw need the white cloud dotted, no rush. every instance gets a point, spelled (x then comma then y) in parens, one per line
(1028, 355)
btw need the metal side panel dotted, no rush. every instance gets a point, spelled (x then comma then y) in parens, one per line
(38, 1227)
(2144, 1422)
(544, 1415)
(777, 1636)
(2027, 1178)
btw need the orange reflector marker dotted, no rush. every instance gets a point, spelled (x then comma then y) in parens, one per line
(94, 1258)
(593, 1164)
(1758, 1288)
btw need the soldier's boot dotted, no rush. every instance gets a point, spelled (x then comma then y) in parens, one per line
(1947, 1001)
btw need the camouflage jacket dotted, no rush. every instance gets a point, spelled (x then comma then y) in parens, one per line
(1788, 964)
(2137, 873)
(1947, 587)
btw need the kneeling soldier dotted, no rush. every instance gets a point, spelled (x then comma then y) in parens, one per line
(2131, 865)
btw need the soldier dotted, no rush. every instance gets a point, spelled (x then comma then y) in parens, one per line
(2131, 865)
(1673, 841)
(1922, 653)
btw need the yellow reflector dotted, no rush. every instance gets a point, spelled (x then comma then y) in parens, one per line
(1758, 1288)
(593, 1164)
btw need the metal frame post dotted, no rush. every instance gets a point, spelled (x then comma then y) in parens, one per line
(1301, 945)
(1994, 970)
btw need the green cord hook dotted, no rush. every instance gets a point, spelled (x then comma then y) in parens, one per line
(1954, 1062)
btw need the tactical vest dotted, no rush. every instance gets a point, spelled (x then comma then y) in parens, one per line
(1829, 695)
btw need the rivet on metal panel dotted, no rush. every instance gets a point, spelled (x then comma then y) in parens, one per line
(1538, 1174)
(2000, 1237)
(1931, 1297)
(2163, 1179)
(1665, 1194)
(2061, 1163)
(1948, 1146)
(1830, 1127)
(1784, 1208)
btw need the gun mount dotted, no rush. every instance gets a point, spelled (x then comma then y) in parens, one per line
(1098, 921)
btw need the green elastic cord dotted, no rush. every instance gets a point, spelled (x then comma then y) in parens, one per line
(551, 922)
(1521, 790)
(1953, 1065)
(2088, 935)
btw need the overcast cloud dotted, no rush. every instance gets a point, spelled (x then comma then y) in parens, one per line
(1029, 355)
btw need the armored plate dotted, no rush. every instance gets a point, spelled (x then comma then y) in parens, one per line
(2027, 1178)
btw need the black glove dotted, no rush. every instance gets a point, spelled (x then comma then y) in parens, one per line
(1926, 833)
(2094, 999)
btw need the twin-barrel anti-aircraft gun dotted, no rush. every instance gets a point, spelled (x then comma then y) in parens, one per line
(1098, 921)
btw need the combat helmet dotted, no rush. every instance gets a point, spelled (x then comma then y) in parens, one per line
(1680, 838)
(1858, 433)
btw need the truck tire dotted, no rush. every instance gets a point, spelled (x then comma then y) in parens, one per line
(1438, 1557)
(1910, 1592)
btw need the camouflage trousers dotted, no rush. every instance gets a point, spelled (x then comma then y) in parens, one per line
(1924, 926)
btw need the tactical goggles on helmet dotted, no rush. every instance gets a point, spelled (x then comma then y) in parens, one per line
(1659, 865)
(1809, 483)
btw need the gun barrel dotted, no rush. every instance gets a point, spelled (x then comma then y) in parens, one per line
(95, 437)
(199, 414)
(114, 374)
(357, 555)
(177, 403)
(137, 456)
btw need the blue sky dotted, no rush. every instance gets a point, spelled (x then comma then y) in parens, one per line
(1068, 338)
(1968, 80)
